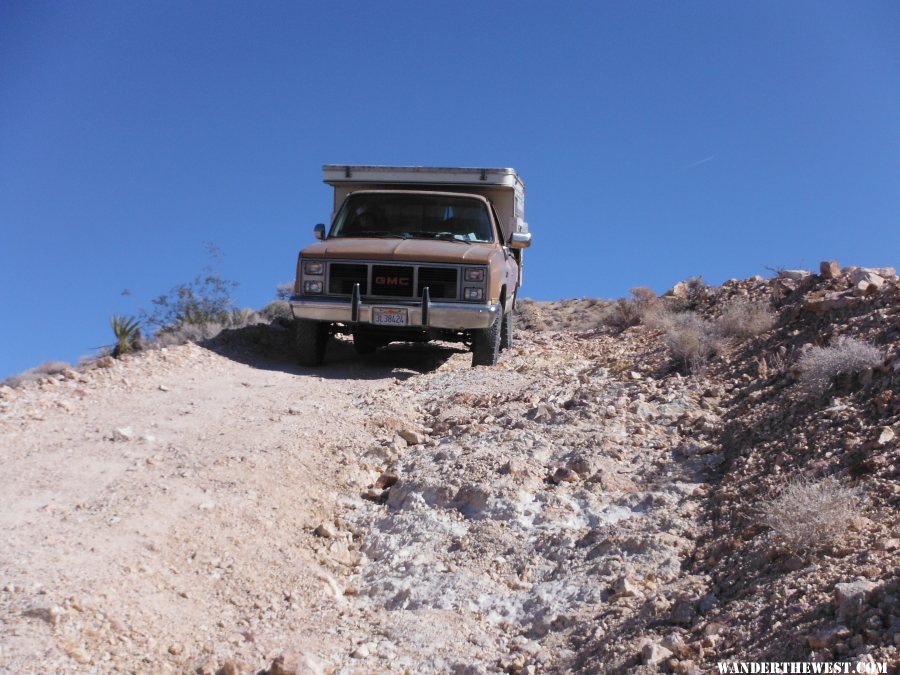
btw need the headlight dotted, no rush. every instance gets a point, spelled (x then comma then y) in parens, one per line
(313, 268)
(474, 274)
(473, 293)
(312, 286)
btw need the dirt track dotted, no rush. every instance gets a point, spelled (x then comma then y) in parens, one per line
(162, 510)
(574, 508)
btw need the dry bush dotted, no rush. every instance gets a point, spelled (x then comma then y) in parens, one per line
(642, 296)
(658, 315)
(745, 318)
(50, 368)
(187, 332)
(621, 314)
(698, 290)
(812, 514)
(624, 313)
(277, 310)
(239, 318)
(692, 340)
(284, 291)
(33, 374)
(819, 365)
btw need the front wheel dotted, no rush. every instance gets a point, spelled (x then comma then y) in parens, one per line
(506, 331)
(310, 341)
(486, 343)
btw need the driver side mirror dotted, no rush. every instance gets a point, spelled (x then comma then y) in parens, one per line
(319, 231)
(520, 240)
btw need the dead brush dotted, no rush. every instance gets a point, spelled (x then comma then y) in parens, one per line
(745, 318)
(692, 340)
(624, 313)
(812, 514)
(818, 366)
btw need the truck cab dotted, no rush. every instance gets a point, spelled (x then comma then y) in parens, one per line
(413, 254)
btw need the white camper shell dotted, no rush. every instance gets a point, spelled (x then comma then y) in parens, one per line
(502, 187)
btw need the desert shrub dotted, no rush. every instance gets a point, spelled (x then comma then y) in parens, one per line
(624, 313)
(204, 300)
(691, 340)
(696, 290)
(33, 374)
(812, 514)
(621, 314)
(188, 332)
(658, 315)
(819, 365)
(277, 310)
(238, 318)
(688, 294)
(127, 331)
(50, 368)
(642, 296)
(284, 291)
(745, 318)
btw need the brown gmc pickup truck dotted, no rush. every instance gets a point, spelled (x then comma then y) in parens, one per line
(413, 254)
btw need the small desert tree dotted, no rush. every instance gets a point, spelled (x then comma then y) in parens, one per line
(202, 301)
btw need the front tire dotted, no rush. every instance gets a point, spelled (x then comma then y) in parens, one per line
(486, 343)
(310, 341)
(506, 331)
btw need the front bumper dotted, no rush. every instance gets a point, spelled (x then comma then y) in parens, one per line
(425, 314)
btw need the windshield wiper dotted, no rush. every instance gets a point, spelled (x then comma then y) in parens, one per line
(377, 233)
(446, 236)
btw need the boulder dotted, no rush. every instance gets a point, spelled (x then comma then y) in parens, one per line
(863, 274)
(885, 436)
(794, 275)
(412, 437)
(829, 269)
(654, 653)
(852, 596)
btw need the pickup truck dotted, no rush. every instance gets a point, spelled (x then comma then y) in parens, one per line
(413, 254)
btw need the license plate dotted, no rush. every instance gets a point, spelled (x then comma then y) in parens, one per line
(389, 316)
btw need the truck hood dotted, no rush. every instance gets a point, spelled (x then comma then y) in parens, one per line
(412, 250)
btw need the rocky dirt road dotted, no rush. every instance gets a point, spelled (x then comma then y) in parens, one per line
(216, 510)
(160, 512)
(183, 510)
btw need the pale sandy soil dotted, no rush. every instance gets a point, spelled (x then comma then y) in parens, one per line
(161, 512)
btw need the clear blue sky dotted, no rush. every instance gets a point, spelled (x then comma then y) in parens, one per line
(657, 140)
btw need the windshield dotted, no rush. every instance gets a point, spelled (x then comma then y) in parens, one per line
(414, 216)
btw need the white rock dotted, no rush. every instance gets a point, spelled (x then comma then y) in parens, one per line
(885, 436)
(795, 275)
(653, 654)
(862, 275)
(123, 434)
(326, 530)
(412, 437)
(361, 652)
(850, 597)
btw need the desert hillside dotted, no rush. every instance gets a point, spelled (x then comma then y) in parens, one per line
(648, 485)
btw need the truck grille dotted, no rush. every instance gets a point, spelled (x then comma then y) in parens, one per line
(342, 277)
(393, 281)
(441, 282)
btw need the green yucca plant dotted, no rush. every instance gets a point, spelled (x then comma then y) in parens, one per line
(127, 330)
